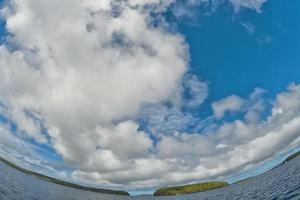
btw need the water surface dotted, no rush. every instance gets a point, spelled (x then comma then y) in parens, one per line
(280, 183)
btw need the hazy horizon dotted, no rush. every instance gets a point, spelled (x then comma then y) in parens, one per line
(141, 94)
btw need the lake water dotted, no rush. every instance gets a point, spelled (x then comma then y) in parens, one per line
(280, 183)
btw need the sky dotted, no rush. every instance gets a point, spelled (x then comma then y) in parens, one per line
(140, 94)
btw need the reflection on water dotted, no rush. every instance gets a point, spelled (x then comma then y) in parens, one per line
(280, 183)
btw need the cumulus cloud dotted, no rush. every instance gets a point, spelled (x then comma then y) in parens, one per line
(80, 72)
(232, 146)
(251, 106)
(82, 76)
(82, 67)
(231, 103)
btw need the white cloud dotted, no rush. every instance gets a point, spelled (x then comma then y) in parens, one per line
(228, 104)
(251, 4)
(88, 71)
(188, 11)
(80, 78)
(84, 69)
(197, 90)
(188, 157)
(169, 117)
(27, 155)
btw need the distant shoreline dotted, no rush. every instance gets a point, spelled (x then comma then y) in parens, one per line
(200, 187)
(168, 191)
(63, 183)
(288, 159)
(191, 188)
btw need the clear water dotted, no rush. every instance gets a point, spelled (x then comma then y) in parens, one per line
(280, 183)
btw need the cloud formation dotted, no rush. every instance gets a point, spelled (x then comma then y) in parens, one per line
(251, 4)
(81, 67)
(217, 152)
(80, 77)
(229, 104)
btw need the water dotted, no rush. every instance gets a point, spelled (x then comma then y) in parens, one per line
(280, 183)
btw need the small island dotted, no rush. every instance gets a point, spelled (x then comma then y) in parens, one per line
(187, 189)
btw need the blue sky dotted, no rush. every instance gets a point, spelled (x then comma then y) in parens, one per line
(235, 60)
(193, 98)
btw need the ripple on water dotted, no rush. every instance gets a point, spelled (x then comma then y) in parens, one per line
(280, 183)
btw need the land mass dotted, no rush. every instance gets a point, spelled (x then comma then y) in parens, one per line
(291, 157)
(167, 191)
(288, 159)
(193, 188)
(61, 182)
(201, 187)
